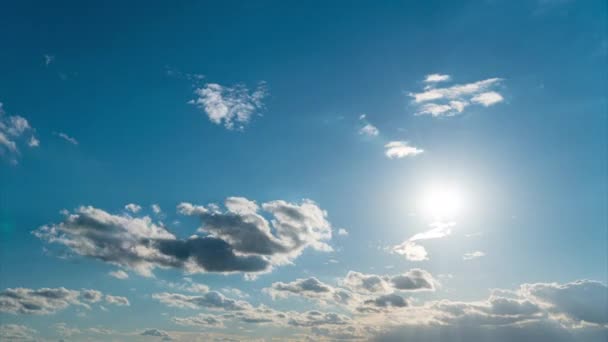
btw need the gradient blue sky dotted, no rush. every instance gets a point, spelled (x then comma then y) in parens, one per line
(117, 78)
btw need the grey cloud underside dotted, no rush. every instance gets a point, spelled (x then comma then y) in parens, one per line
(211, 254)
(44, 301)
(236, 240)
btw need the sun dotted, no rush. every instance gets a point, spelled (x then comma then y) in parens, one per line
(442, 202)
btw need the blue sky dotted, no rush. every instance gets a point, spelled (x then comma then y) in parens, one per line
(321, 170)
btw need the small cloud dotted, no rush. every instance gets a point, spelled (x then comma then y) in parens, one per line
(67, 138)
(434, 78)
(156, 209)
(229, 105)
(132, 207)
(369, 130)
(487, 99)
(119, 274)
(412, 251)
(473, 255)
(33, 142)
(400, 149)
(48, 59)
(342, 232)
(117, 300)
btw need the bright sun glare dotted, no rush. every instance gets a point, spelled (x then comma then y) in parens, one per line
(443, 202)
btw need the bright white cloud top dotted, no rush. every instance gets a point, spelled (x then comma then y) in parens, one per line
(401, 149)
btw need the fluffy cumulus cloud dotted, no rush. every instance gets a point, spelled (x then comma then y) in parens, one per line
(452, 100)
(15, 130)
(157, 333)
(230, 106)
(117, 300)
(210, 300)
(533, 312)
(311, 288)
(358, 292)
(411, 251)
(582, 301)
(132, 207)
(238, 239)
(46, 301)
(400, 149)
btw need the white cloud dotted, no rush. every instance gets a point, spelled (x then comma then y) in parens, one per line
(229, 105)
(487, 99)
(400, 149)
(156, 209)
(67, 138)
(342, 232)
(411, 250)
(415, 252)
(132, 207)
(439, 230)
(15, 130)
(117, 300)
(452, 100)
(369, 130)
(473, 255)
(119, 274)
(432, 78)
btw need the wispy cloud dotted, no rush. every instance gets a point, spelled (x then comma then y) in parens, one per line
(48, 59)
(452, 100)
(473, 255)
(400, 149)
(368, 129)
(231, 106)
(67, 138)
(413, 251)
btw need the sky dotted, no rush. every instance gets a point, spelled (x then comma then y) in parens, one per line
(295, 171)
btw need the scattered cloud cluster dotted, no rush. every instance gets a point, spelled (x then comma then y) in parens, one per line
(230, 106)
(237, 239)
(358, 292)
(452, 100)
(15, 130)
(541, 312)
(46, 301)
(17, 332)
(567, 308)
